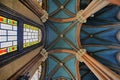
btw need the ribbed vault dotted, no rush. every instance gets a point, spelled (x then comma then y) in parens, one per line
(65, 37)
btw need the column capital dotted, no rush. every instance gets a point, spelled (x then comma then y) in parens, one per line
(80, 53)
(45, 16)
(44, 53)
(80, 17)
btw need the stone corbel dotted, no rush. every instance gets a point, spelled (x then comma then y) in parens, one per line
(45, 16)
(79, 54)
(44, 53)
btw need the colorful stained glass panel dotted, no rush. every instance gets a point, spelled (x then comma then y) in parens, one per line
(8, 35)
(32, 35)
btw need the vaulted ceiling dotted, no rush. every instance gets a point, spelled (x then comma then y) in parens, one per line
(65, 36)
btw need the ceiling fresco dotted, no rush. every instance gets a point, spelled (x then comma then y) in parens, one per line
(65, 37)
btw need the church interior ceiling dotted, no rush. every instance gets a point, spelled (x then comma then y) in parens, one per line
(100, 36)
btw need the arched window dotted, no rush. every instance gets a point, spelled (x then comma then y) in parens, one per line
(32, 35)
(18, 35)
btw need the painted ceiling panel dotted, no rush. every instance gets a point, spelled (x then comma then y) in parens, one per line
(61, 44)
(65, 67)
(61, 72)
(109, 36)
(108, 55)
(61, 14)
(95, 48)
(61, 56)
(71, 6)
(72, 68)
(62, 26)
(90, 30)
(112, 13)
(104, 52)
(72, 36)
(105, 35)
(52, 6)
(62, 8)
(51, 62)
(63, 35)
(50, 33)
(107, 15)
(62, 1)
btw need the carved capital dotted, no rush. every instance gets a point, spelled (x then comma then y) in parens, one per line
(80, 17)
(79, 54)
(40, 3)
(44, 53)
(45, 16)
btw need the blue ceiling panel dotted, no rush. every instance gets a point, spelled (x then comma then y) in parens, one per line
(104, 35)
(52, 6)
(107, 15)
(108, 55)
(62, 1)
(61, 56)
(61, 72)
(61, 26)
(61, 14)
(62, 45)
(71, 35)
(51, 35)
(72, 6)
(98, 36)
(51, 64)
(93, 48)
(71, 68)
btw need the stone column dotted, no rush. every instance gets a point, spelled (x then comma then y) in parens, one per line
(101, 71)
(92, 8)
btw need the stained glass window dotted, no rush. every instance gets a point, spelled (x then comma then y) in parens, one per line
(32, 35)
(8, 35)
